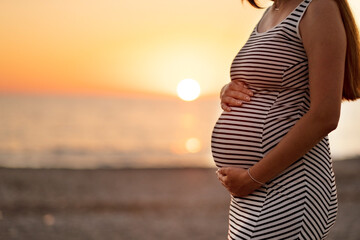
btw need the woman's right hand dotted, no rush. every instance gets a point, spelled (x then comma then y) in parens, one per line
(234, 94)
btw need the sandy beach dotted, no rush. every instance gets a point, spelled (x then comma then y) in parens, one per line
(37, 204)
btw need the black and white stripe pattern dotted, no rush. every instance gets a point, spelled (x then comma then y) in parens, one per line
(300, 203)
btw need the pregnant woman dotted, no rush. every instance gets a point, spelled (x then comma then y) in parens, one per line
(299, 63)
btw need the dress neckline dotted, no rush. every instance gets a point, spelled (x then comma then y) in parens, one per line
(272, 28)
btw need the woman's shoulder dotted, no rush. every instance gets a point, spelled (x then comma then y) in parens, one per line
(320, 9)
(323, 17)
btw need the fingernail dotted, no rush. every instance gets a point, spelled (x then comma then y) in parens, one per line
(247, 98)
(251, 93)
(239, 102)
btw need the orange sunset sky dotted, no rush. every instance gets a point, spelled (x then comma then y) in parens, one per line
(122, 47)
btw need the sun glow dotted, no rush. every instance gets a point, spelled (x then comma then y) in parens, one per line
(193, 145)
(188, 89)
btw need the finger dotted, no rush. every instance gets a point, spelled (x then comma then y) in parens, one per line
(231, 101)
(222, 177)
(224, 171)
(239, 87)
(225, 107)
(238, 95)
(222, 180)
(239, 83)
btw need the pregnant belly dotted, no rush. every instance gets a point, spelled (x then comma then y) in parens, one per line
(246, 134)
(236, 139)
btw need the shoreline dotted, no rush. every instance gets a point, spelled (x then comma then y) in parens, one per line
(131, 168)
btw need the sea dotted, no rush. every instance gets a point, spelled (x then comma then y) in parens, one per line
(87, 132)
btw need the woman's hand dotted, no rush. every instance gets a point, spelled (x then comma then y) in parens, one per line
(233, 94)
(237, 181)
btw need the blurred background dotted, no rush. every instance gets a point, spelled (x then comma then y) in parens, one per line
(106, 113)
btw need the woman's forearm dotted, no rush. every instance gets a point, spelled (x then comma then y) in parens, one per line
(304, 135)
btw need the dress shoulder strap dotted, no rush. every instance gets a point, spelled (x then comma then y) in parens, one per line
(299, 13)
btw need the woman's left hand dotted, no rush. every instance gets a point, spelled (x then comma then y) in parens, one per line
(237, 181)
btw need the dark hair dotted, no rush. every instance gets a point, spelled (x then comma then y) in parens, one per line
(351, 89)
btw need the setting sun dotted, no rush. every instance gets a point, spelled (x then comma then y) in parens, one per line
(193, 145)
(188, 89)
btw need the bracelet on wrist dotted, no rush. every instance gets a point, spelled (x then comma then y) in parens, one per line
(248, 171)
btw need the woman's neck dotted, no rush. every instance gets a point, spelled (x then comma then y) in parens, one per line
(277, 4)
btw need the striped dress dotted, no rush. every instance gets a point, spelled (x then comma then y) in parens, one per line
(301, 202)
